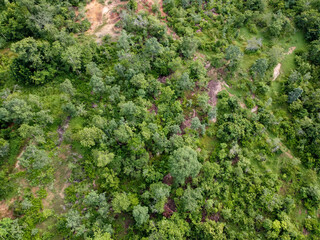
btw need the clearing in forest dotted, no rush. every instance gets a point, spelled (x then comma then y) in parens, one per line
(103, 18)
(276, 71)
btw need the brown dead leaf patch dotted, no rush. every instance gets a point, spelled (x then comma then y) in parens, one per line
(169, 208)
(168, 179)
(5, 210)
(235, 160)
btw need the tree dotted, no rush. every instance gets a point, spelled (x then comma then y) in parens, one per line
(35, 62)
(195, 123)
(159, 192)
(89, 136)
(98, 235)
(124, 41)
(190, 199)
(309, 21)
(103, 158)
(256, 5)
(16, 110)
(6, 187)
(314, 52)
(254, 44)
(97, 84)
(275, 55)
(35, 132)
(10, 229)
(123, 133)
(280, 25)
(294, 95)
(184, 163)
(92, 69)
(197, 70)
(139, 81)
(128, 110)
(34, 158)
(4, 148)
(184, 82)
(94, 200)
(234, 55)
(120, 202)
(173, 228)
(74, 221)
(259, 68)
(67, 87)
(72, 58)
(188, 46)
(153, 47)
(140, 214)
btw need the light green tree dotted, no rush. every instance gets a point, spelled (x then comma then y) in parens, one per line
(140, 214)
(120, 202)
(89, 136)
(184, 163)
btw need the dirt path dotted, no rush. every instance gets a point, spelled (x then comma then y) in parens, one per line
(61, 130)
(55, 197)
(290, 50)
(276, 71)
(286, 151)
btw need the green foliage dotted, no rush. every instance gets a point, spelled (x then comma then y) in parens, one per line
(190, 199)
(120, 202)
(34, 64)
(67, 87)
(259, 68)
(10, 229)
(183, 163)
(234, 55)
(139, 104)
(34, 158)
(89, 136)
(189, 46)
(294, 95)
(4, 147)
(140, 214)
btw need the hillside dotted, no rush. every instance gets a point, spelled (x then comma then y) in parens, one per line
(146, 119)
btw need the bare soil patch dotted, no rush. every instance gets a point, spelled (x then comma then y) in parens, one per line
(214, 88)
(61, 130)
(255, 109)
(103, 18)
(276, 71)
(290, 50)
(5, 210)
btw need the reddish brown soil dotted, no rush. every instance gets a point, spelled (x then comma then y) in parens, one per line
(168, 179)
(169, 208)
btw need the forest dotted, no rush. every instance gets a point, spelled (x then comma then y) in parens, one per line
(159, 119)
